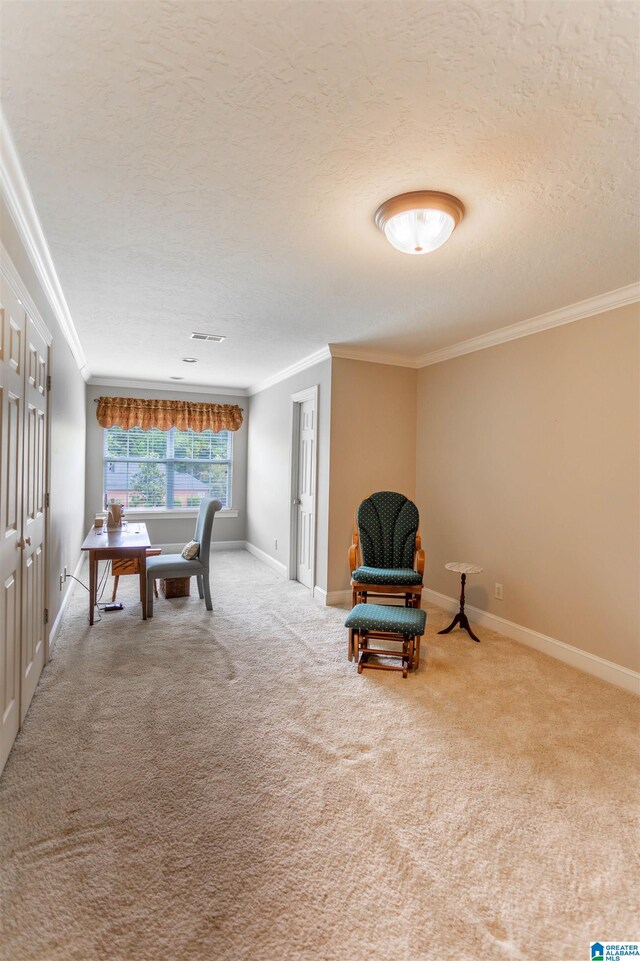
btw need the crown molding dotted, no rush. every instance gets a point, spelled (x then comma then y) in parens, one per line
(371, 356)
(162, 385)
(310, 361)
(13, 278)
(555, 318)
(15, 190)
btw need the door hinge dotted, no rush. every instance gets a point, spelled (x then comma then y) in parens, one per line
(48, 381)
(46, 615)
(46, 499)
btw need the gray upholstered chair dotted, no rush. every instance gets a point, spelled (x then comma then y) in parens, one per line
(175, 565)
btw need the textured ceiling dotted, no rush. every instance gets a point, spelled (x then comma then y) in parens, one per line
(216, 166)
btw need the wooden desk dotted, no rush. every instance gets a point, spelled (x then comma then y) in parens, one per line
(104, 545)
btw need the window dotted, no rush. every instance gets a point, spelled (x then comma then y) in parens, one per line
(166, 469)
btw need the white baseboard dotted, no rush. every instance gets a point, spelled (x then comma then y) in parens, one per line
(591, 663)
(215, 546)
(318, 594)
(335, 598)
(228, 545)
(55, 627)
(325, 599)
(267, 559)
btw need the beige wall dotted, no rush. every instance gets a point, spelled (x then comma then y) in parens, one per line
(373, 446)
(529, 465)
(67, 407)
(174, 528)
(269, 466)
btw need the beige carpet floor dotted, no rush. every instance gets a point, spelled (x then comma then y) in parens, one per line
(226, 787)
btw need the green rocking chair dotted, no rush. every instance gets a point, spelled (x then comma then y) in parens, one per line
(386, 557)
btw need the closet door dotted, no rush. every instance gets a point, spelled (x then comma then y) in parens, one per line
(12, 338)
(33, 514)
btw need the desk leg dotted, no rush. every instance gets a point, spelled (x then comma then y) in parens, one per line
(93, 564)
(142, 565)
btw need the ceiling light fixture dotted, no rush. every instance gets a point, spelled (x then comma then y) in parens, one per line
(176, 378)
(419, 222)
(189, 360)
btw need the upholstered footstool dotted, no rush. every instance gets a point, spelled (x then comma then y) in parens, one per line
(401, 625)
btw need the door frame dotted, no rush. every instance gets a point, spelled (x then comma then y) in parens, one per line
(297, 399)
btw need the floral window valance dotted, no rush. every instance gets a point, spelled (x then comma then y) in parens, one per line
(127, 412)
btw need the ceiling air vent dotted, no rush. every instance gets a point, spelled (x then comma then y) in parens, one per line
(216, 338)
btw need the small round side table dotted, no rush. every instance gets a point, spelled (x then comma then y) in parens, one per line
(461, 618)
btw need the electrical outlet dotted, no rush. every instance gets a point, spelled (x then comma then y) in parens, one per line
(275, 543)
(499, 591)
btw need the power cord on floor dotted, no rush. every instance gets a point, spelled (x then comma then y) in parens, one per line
(102, 583)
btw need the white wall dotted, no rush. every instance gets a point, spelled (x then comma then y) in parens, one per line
(373, 447)
(529, 465)
(175, 528)
(269, 466)
(67, 411)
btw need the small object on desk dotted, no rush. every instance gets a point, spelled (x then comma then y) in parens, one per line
(462, 568)
(114, 516)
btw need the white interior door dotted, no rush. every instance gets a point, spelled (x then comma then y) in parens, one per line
(306, 493)
(12, 336)
(24, 362)
(33, 512)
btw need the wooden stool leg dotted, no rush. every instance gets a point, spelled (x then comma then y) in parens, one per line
(361, 643)
(116, 578)
(155, 587)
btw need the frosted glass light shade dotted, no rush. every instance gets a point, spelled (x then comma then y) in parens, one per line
(419, 231)
(419, 222)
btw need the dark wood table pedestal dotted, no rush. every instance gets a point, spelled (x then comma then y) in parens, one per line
(461, 618)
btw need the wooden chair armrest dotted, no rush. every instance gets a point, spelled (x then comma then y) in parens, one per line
(418, 564)
(354, 553)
